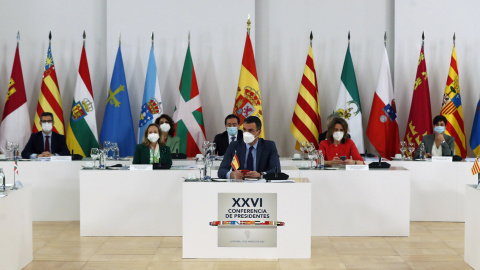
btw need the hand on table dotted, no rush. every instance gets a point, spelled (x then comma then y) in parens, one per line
(236, 175)
(45, 154)
(252, 174)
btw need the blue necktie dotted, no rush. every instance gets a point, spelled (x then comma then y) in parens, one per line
(250, 159)
(233, 139)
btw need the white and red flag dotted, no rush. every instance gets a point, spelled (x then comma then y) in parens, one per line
(382, 127)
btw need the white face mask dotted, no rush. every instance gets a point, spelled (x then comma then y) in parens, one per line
(248, 137)
(153, 137)
(47, 127)
(338, 135)
(165, 127)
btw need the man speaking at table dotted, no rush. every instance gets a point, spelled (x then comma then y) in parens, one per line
(45, 143)
(255, 155)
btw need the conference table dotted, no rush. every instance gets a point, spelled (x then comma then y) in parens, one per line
(437, 190)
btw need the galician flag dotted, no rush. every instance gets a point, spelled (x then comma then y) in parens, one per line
(82, 132)
(117, 122)
(49, 99)
(382, 127)
(188, 115)
(15, 125)
(306, 123)
(248, 101)
(348, 102)
(152, 101)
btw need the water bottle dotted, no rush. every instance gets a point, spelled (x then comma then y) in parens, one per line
(2, 180)
(422, 151)
(103, 160)
(321, 160)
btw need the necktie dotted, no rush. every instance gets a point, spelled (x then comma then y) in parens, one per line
(250, 159)
(233, 139)
(47, 144)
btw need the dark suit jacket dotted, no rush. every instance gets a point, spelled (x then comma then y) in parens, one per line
(142, 155)
(267, 157)
(322, 136)
(222, 141)
(35, 145)
(448, 148)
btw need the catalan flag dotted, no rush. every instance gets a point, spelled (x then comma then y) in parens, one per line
(420, 117)
(50, 100)
(248, 101)
(235, 163)
(476, 167)
(306, 122)
(452, 108)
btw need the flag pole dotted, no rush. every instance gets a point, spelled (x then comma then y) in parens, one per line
(120, 39)
(18, 38)
(189, 38)
(385, 39)
(248, 24)
(311, 38)
(423, 38)
(152, 38)
(453, 39)
(348, 38)
(84, 37)
(50, 38)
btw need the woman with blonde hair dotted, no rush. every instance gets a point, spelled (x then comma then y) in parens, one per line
(153, 149)
(338, 149)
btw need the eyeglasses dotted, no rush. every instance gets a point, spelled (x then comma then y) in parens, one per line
(46, 121)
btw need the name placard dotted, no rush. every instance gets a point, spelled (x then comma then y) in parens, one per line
(61, 158)
(141, 167)
(356, 167)
(43, 158)
(441, 159)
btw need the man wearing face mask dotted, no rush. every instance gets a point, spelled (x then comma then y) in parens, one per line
(255, 155)
(45, 143)
(232, 134)
(438, 143)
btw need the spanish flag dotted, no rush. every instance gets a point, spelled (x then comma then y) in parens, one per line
(248, 101)
(50, 100)
(235, 164)
(306, 122)
(452, 108)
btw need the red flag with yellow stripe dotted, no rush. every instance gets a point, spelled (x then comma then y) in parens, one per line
(248, 101)
(452, 108)
(476, 167)
(50, 100)
(306, 121)
(235, 163)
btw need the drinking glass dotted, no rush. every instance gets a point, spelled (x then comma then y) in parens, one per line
(9, 146)
(411, 149)
(16, 153)
(213, 146)
(403, 148)
(312, 155)
(106, 147)
(116, 150)
(200, 161)
(205, 146)
(94, 153)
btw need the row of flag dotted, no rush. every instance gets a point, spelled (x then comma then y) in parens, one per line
(382, 129)
(82, 134)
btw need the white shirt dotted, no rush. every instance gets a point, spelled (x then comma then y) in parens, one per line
(436, 151)
(230, 138)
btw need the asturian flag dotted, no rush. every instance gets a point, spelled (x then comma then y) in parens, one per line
(152, 101)
(49, 99)
(15, 125)
(452, 108)
(348, 102)
(248, 101)
(306, 123)
(117, 122)
(188, 114)
(382, 127)
(82, 132)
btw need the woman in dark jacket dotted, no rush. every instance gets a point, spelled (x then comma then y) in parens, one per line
(153, 148)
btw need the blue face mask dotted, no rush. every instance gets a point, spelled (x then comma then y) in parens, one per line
(232, 131)
(439, 129)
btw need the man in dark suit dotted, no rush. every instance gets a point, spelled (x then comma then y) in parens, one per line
(256, 155)
(232, 134)
(45, 143)
(438, 143)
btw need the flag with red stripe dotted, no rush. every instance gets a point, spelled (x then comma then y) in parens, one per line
(235, 164)
(476, 167)
(452, 108)
(306, 122)
(49, 99)
(248, 101)
(188, 114)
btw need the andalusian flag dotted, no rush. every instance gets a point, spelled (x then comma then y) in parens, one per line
(188, 115)
(452, 108)
(348, 102)
(50, 100)
(82, 130)
(152, 101)
(248, 101)
(15, 125)
(306, 122)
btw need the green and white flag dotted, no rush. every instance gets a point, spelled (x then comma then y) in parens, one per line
(348, 102)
